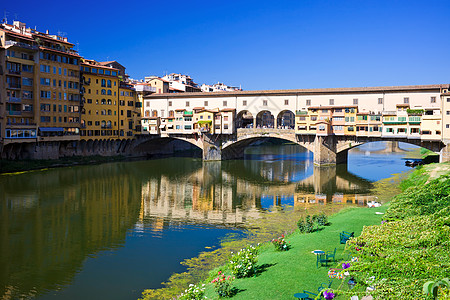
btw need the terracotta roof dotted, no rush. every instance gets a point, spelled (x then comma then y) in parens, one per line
(180, 109)
(62, 52)
(355, 90)
(228, 109)
(195, 108)
(403, 105)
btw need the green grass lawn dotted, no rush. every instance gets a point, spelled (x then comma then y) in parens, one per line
(290, 272)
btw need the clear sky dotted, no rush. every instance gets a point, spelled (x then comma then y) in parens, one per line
(258, 44)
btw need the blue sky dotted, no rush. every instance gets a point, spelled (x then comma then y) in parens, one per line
(258, 44)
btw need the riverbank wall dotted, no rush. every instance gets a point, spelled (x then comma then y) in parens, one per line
(16, 157)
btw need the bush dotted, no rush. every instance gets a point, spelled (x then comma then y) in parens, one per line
(222, 285)
(322, 219)
(193, 293)
(280, 244)
(243, 263)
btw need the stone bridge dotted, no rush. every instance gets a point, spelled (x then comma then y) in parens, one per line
(327, 149)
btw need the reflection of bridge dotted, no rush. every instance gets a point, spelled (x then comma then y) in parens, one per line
(217, 194)
(328, 150)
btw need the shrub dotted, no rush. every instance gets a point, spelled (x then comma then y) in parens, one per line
(280, 244)
(301, 224)
(243, 263)
(193, 293)
(309, 224)
(322, 219)
(222, 285)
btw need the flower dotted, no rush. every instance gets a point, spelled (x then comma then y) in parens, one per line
(345, 266)
(328, 294)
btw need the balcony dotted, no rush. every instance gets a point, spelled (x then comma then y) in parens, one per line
(144, 88)
(14, 113)
(14, 99)
(21, 45)
(13, 86)
(13, 72)
(106, 126)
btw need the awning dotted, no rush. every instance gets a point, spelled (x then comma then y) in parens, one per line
(51, 129)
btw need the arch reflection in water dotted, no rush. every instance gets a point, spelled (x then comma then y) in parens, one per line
(229, 192)
(52, 220)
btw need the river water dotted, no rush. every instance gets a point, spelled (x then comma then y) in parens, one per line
(109, 231)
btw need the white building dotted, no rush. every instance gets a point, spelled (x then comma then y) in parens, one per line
(180, 83)
(219, 87)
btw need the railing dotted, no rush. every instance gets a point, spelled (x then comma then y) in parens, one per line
(19, 44)
(144, 88)
(14, 113)
(14, 86)
(106, 126)
(15, 72)
(14, 99)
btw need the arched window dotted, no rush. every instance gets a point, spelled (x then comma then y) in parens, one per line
(103, 124)
(109, 101)
(109, 92)
(147, 113)
(103, 101)
(154, 113)
(109, 83)
(108, 124)
(103, 112)
(103, 92)
(103, 83)
(109, 112)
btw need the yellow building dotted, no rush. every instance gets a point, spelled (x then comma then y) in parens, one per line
(129, 111)
(350, 120)
(204, 121)
(59, 89)
(100, 116)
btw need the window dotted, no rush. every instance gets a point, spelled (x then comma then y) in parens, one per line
(27, 81)
(187, 103)
(45, 81)
(205, 103)
(46, 94)
(308, 102)
(355, 101)
(109, 83)
(406, 100)
(331, 101)
(244, 102)
(447, 125)
(286, 102)
(45, 69)
(170, 103)
(448, 112)
(264, 102)
(225, 103)
(433, 99)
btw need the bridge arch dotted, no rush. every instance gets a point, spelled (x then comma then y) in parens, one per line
(236, 149)
(244, 119)
(346, 145)
(163, 146)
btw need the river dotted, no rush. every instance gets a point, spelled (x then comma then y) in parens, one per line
(109, 231)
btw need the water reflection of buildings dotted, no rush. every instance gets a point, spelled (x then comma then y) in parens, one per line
(228, 194)
(51, 221)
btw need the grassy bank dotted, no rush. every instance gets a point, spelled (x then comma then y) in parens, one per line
(12, 166)
(285, 273)
(404, 248)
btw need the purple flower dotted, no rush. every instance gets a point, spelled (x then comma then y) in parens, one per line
(384, 221)
(328, 294)
(345, 266)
